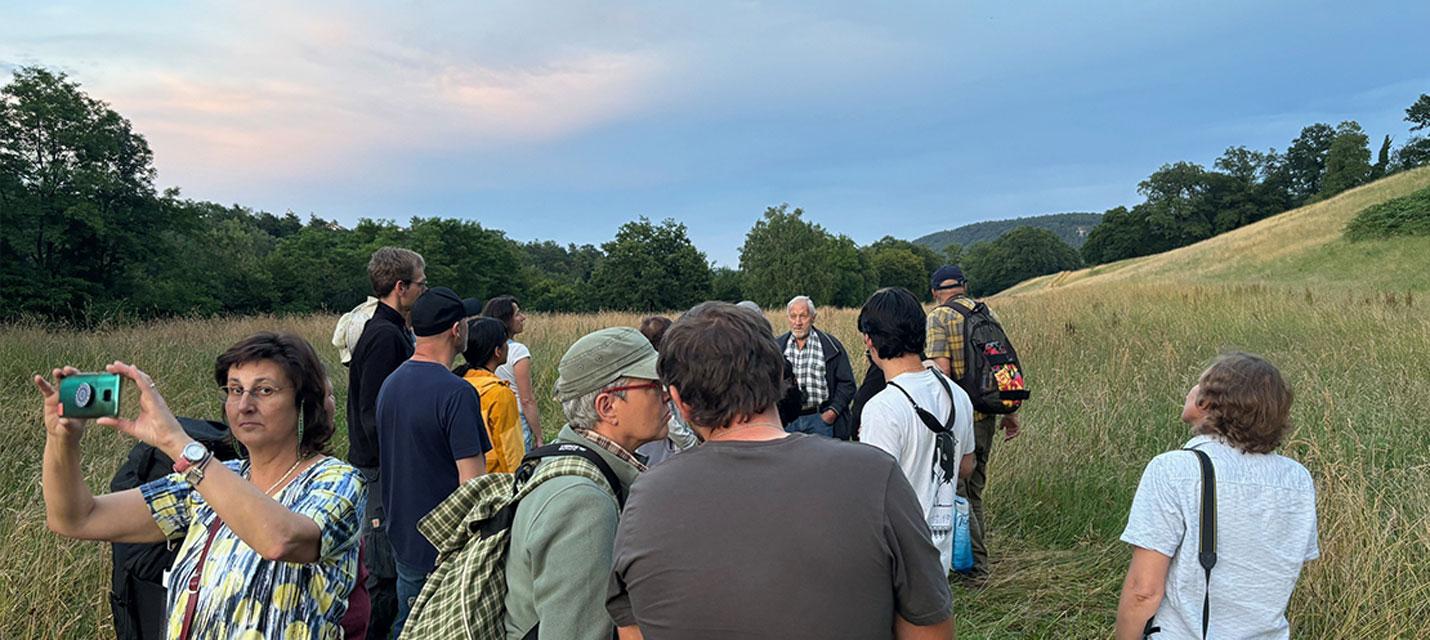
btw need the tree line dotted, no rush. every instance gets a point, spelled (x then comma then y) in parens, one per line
(1185, 202)
(85, 235)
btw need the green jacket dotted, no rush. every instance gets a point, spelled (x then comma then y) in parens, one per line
(559, 565)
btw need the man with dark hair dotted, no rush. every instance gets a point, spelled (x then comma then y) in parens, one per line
(945, 348)
(821, 365)
(892, 323)
(429, 422)
(398, 277)
(759, 533)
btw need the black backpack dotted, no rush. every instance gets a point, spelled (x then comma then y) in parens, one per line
(137, 597)
(992, 375)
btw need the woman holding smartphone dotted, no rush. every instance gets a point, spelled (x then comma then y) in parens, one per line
(269, 545)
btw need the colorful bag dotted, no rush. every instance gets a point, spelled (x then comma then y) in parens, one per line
(992, 375)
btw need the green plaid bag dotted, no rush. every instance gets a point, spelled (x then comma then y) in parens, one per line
(465, 597)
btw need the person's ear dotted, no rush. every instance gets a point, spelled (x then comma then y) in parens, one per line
(606, 407)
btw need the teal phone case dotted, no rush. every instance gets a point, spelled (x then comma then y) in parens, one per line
(89, 395)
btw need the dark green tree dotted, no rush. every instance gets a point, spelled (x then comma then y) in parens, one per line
(469, 258)
(900, 263)
(1025, 252)
(1416, 151)
(1382, 161)
(784, 256)
(77, 200)
(1347, 160)
(725, 285)
(650, 267)
(1418, 114)
(1305, 162)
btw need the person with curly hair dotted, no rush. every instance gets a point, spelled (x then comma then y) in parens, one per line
(1265, 515)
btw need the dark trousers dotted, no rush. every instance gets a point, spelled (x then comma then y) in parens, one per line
(972, 488)
(381, 565)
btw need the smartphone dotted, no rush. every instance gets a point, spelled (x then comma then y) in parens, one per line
(89, 395)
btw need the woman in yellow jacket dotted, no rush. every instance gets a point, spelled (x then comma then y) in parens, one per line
(486, 350)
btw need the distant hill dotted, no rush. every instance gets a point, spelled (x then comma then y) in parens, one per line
(1071, 227)
(1303, 247)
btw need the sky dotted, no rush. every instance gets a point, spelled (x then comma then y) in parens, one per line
(563, 120)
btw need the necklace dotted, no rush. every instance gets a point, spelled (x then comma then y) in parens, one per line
(290, 471)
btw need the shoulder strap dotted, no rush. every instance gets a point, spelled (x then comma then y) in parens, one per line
(528, 465)
(186, 628)
(1206, 545)
(927, 418)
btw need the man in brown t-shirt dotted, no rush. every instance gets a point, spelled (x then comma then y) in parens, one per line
(761, 534)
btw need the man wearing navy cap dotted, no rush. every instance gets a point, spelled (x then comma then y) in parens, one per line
(944, 345)
(430, 433)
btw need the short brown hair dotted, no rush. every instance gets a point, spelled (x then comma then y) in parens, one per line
(305, 370)
(724, 363)
(391, 265)
(1246, 401)
(654, 328)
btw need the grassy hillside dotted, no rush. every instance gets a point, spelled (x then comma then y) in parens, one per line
(1072, 228)
(1303, 247)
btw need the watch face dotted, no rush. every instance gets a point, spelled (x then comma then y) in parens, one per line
(194, 452)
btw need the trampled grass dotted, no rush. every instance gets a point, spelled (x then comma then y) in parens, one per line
(1109, 367)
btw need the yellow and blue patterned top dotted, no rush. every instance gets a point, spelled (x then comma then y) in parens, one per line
(241, 595)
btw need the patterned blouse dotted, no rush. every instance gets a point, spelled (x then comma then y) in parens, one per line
(243, 596)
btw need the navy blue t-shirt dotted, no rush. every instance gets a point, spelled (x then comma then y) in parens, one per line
(427, 419)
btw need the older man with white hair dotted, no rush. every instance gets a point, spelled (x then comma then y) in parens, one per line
(821, 367)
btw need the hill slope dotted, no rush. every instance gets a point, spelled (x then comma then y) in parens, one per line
(1301, 247)
(1072, 228)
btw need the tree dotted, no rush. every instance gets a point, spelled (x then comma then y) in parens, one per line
(1347, 160)
(1416, 151)
(1177, 208)
(725, 285)
(784, 256)
(1025, 252)
(464, 255)
(651, 267)
(900, 263)
(1382, 161)
(1306, 161)
(1122, 234)
(1418, 114)
(77, 201)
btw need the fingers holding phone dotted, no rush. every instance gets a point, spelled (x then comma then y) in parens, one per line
(155, 424)
(58, 421)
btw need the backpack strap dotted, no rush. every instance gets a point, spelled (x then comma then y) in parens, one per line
(929, 421)
(1206, 544)
(529, 461)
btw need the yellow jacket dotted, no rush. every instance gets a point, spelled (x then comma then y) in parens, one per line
(503, 423)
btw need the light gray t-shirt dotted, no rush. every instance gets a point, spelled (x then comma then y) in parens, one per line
(801, 537)
(1265, 530)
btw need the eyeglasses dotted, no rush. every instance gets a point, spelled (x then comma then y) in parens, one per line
(260, 392)
(633, 387)
(422, 284)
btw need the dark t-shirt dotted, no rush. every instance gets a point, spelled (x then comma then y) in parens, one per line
(384, 345)
(803, 537)
(427, 419)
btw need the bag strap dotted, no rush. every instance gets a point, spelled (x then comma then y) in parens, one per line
(528, 465)
(193, 589)
(929, 421)
(1206, 545)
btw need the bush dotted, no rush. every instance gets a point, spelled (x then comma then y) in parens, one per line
(1404, 216)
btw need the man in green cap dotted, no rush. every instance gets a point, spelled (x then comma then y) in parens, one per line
(563, 532)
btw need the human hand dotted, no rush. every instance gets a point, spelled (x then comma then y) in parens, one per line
(56, 425)
(1011, 428)
(829, 416)
(155, 425)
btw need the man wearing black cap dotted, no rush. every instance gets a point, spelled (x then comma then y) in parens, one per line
(945, 348)
(429, 426)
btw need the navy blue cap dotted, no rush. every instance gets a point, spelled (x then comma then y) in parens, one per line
(439, 308)
(946, 272)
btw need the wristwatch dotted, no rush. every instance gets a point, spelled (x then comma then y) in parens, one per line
(192, 460)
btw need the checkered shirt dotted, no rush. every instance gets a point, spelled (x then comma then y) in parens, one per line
(809, 369)
(611, 446)
(944, 338)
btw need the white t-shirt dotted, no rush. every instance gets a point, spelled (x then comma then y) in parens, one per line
(515, 352)
(890, 423)
(1265, 531)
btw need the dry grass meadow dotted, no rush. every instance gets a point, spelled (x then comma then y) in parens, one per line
(1109, 360)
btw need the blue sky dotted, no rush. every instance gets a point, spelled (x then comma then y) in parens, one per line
(561, 120)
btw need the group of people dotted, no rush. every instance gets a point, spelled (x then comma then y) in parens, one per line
(725, 500)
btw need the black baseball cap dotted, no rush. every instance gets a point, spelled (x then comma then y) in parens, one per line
(440, 308)
(946, 272)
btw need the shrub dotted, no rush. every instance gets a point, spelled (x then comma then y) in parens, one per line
(1404, 216)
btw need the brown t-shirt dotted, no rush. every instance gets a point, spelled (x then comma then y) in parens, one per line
(802, 537)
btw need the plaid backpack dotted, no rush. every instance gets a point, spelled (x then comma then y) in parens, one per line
(465, 597)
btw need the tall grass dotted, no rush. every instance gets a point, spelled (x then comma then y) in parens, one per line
(1109, 367)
